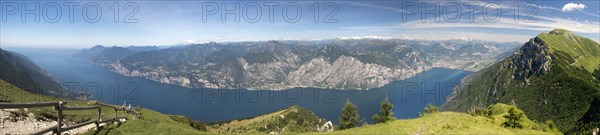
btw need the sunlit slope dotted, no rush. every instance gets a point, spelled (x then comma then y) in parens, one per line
(153, 123)
(584, 51)
(451, 123)
(293, 119)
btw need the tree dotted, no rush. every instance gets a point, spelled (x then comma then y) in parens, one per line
(514, 119)
(349, 117)
(385, 112)
(430, 109)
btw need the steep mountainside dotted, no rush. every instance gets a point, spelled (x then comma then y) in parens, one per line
(23, 73)
(276, 65)
(551, 77)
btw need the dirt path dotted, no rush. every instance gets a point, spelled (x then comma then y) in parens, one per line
(29, 124)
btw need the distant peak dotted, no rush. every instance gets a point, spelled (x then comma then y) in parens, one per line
(98, 46)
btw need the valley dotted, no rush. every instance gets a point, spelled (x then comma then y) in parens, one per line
(359, 67)
(517, 79)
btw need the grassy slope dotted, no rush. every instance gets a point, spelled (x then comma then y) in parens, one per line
(448, 123)
(585, 51)
(153, 122)
(236, 124)
(290, 122)
(11, 93)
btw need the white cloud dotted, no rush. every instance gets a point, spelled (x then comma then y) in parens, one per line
(189, 41)
(573, 6)
(544, 24)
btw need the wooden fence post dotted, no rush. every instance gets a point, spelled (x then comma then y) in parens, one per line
(60, 116)
(99, 117)
(60, 106)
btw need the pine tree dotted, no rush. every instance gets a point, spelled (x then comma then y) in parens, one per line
(514, 119)
(349, 117)
(385, 112)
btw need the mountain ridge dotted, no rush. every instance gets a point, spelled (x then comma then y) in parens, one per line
(276, 65)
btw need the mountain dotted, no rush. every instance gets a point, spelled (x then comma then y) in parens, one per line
(98, 50)
(90, 53)
(551, 77)
(275, 65)
(17, 69)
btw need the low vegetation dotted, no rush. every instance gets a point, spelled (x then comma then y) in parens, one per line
(430, 109)
(293, 119)
(198, 125)
(152, 123)
(489, 122)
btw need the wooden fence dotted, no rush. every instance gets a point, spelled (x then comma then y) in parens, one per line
(61, 106)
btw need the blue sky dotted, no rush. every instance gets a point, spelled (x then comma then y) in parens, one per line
(179, 22)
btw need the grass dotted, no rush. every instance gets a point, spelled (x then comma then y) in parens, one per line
(585, 51)
(237, 124)
(152, 123)
(11, 93)
(448, 123)
(290, 120)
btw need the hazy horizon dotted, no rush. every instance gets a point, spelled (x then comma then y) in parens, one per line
(160, 23)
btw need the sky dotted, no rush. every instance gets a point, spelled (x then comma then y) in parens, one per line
(82, 24)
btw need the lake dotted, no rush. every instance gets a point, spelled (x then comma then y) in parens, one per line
(409, 96)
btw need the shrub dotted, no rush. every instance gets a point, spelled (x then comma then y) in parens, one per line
(514, 119)
(430, 109)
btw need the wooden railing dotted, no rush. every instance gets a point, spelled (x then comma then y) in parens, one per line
(61, 106)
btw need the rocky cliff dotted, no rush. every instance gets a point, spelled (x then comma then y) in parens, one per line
(276, 65)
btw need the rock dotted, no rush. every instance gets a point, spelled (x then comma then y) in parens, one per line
(277, 65)
(531, 59)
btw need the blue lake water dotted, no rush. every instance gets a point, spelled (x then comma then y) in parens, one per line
(409, 96)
